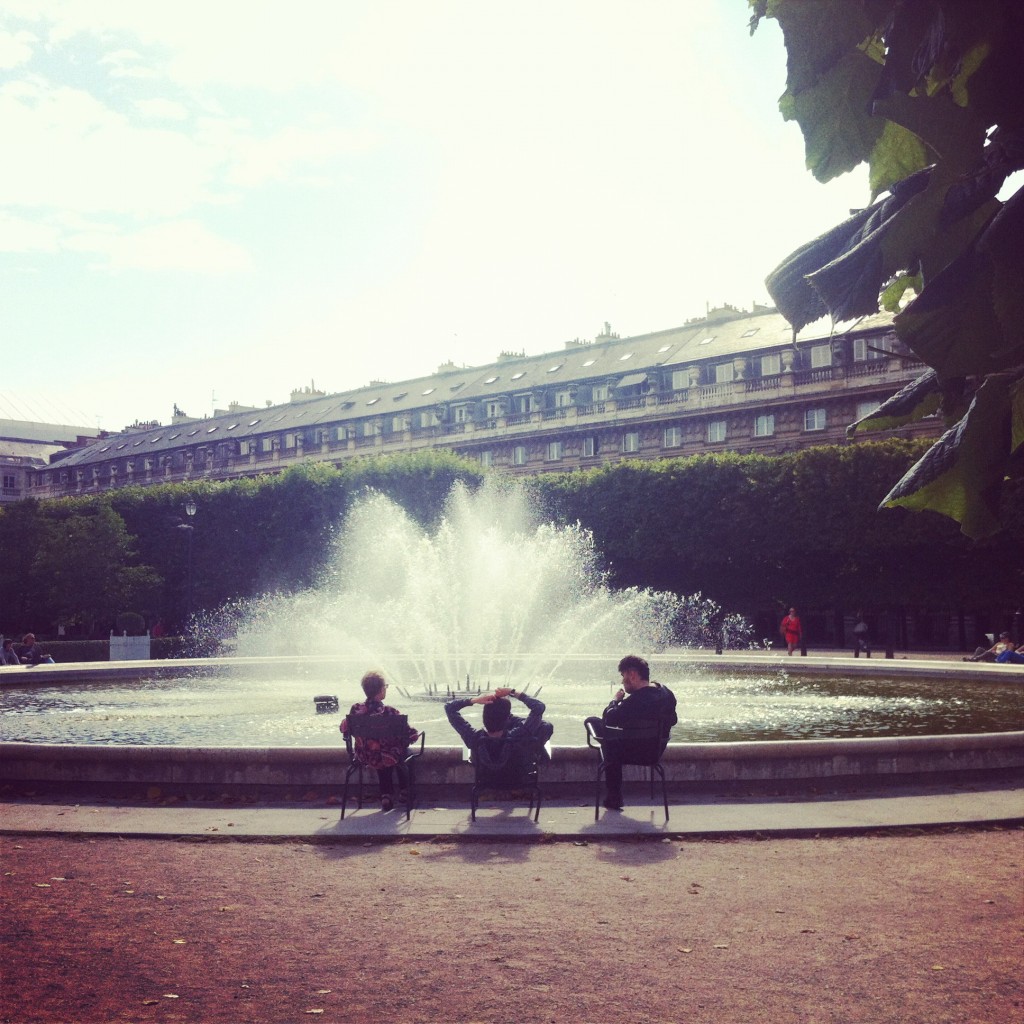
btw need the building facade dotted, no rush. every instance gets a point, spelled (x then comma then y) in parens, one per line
(730, 381)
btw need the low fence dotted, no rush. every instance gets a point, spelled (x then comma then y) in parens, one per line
(805, 764)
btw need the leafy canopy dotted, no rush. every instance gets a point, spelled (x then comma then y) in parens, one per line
(927, 94)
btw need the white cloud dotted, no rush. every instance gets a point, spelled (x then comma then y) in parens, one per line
(161, 110)
(20, 234)
(16, 48)
(175, 246)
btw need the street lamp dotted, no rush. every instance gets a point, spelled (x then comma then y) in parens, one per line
(190, 511)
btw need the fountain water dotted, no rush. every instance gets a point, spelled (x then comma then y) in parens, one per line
(491, 594)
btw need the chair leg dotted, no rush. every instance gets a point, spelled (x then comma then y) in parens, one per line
(536, 810)
(410, 789)
(664, 788)
(597, 797)
(344, 793)
(474, 799)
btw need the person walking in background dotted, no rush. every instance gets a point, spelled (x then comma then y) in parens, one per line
(791, 630)
(384, 756)
(860, 637)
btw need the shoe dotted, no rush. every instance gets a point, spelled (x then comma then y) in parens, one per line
(386, 803)
(613, 803)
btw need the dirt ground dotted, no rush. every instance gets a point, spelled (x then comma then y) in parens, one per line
(890, 927)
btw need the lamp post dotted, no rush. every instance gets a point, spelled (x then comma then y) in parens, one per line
(190, 511)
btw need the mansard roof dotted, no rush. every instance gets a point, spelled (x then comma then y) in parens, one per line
(608, 359)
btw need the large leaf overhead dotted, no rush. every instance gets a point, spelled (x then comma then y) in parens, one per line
(928, 94)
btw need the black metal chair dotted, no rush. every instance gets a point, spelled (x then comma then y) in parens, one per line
(381, 727)
(515, 771)
(641, 743)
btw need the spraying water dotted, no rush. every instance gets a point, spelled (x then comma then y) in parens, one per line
(491, 594)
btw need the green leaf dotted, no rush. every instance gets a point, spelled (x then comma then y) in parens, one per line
(969, 319)
(892, 295)
(897, 154)
(961, 475)
(818, 35)
(832, 114)
(913, 402)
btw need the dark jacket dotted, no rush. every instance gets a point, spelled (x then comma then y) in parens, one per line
(653, 701)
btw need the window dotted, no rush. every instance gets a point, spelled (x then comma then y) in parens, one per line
(462, 413)
(373, 401)
(821, 355)
(519, 455)
(764, 426)
(486, 459)
(623, 358)
(770, 364)
(428, 418)
(562, 399)
(707, 341)
(866, 408)
(589, 362)
(524, 403)
(631, 441)
(494, 410)
(673, 437)
(9, 482)
(555, 368)
(871, 348)
(750, 332)
(814, 419)
(341, 433)
(554, 451)
(716, 431)
(369, 428)
(680, 380)
(490, 380)
(724, 372)
(516, 376)
(398, 424)
(289, 440)
(266, 444)
(600, 393)
(589, 447)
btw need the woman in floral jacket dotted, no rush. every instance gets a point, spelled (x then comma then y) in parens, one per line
(386, 755)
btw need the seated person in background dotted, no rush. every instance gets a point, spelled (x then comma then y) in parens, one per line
(7, 655)
(993, 652)
(1011, 656)
(385, 756)
(32, 653)
(507, 748)
(639, 699)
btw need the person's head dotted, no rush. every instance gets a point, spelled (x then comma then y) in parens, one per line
(792, 611)
(497, 713)
(30, 638)
(8, 643)
(1004, 636)
(374, 684)
(635, 672)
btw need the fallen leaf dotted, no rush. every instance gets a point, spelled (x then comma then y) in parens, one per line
(414, 853)
(170, 995)
(721, 945)
(808, 931)
(58, 878)
(314, 1011)
(43, 885)
(938, 967)
(179, 942)
(684, 949)
(323, 991)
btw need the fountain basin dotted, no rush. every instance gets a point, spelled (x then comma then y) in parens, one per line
(296, 772)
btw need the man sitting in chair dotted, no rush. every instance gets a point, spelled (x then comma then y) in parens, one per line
(386, 755)
(639, 699)
(507, 748)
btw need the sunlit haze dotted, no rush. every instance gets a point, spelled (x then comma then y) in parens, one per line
(214, 202)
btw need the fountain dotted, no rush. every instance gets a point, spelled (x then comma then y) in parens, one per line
(492, 596)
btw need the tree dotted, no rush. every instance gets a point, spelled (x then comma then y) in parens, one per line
(928, 93)
(82, 567)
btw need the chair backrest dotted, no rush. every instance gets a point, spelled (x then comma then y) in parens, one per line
(501, 764)
(640, 742)
(378, 727)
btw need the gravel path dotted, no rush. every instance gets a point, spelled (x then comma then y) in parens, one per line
(872, 928)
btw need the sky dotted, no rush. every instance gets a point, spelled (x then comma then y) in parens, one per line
(217, 201)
